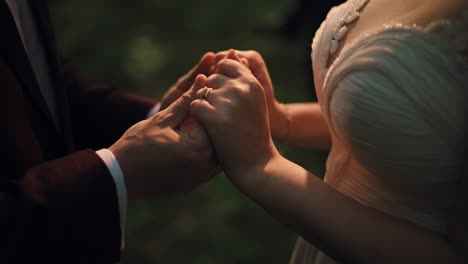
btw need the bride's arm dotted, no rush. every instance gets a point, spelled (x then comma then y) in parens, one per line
(305, 126)
(299, 124)
(344, 229)
(234, 116)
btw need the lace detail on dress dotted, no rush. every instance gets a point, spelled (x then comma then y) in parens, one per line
(451, 33)
(341, 29)
(355, 44)
(327, 39)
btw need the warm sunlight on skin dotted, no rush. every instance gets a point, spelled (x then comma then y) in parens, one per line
(338, 216)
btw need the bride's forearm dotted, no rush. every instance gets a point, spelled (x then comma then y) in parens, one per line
(341, 227)
(306, 126)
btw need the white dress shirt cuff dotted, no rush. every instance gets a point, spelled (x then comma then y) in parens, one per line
(153, 110)
(114, 168)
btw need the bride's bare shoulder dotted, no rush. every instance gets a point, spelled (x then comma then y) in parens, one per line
(439, 10)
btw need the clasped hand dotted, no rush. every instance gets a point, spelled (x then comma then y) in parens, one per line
(168, 153)
(235, 116)
(180, 146)
(232, 103)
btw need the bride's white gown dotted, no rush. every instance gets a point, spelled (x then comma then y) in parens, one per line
(396, 101)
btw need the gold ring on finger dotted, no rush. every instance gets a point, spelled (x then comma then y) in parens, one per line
(206, 92)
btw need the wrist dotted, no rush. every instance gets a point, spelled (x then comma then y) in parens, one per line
(251, 179)
(281, 122)
(120, 155)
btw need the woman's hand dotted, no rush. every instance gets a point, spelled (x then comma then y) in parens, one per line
(279, 123)
(235, 116)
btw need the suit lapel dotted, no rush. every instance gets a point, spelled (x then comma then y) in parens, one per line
(41, 12)
(14, 53)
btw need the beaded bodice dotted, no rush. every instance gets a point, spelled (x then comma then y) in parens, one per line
(453, 34)
(395, 100)
(340, 30)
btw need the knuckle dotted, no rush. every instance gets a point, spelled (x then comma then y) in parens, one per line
(157, 118)
(228, 64)
(224, 64)
(212, 79)
(254, 54)
(208, 54)
(255, 85)
(186, 99)
(241, 92)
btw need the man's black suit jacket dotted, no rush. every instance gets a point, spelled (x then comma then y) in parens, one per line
(57, 204)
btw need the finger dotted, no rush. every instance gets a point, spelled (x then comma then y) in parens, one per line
(216, 81)
(245, 62)
(197, 133)
(202, 111)
(179, 110)
(242, 55)
(200, 82)
(204, 66)
(229, 68)
(204, 93)
(233, 55)
(170, 97)
(227, 54)
(220, 56)
(187, 125)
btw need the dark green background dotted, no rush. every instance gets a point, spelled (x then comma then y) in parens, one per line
(145, 46)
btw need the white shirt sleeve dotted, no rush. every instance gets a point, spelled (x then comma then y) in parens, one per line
(114, 168)
(153, 110)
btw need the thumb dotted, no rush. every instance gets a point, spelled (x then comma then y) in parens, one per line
(204, 66)
(179, 110)
(194, 130)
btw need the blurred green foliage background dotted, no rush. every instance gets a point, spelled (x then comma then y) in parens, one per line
(145, 45)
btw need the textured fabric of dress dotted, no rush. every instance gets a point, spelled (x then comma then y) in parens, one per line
(396, 102)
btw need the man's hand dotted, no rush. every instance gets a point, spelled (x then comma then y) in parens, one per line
(165, 154)
(185, 82)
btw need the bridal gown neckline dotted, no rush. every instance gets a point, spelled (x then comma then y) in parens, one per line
(398, 133)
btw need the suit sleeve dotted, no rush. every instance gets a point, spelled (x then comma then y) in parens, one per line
(54, 207)
(64, 208)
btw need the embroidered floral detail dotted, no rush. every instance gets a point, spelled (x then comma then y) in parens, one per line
(353, 15)
(341, 33)
(341, 29)
(334, 46)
